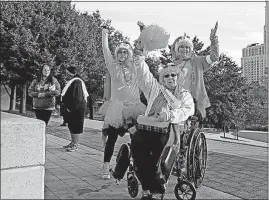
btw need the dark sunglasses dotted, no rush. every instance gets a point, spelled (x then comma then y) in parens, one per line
(172, 75)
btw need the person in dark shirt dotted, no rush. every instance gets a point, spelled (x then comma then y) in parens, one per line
(74, 96)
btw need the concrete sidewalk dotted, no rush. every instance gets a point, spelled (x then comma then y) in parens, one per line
(234, 170)
(77, 175)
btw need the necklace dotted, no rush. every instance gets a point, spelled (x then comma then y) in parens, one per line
(127, 76)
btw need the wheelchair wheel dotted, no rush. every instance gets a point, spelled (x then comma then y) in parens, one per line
(199, 159)
(133, 185)
(191, 141)
(185, 190)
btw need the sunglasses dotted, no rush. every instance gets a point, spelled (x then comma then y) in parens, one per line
(122, 52)
(172, 75)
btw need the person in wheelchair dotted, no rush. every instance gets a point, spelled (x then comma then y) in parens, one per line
(168, 103)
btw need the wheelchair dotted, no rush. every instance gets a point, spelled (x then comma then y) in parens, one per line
(192, 148)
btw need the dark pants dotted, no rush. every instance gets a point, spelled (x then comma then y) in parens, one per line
(113, 134)
(146, 148)
(43, 115)
(110, 143)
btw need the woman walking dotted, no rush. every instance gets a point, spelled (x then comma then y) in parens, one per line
(44, 89)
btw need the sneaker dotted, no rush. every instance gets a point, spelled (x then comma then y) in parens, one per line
(72, 148)
(106, 171)
(156, 196)
(145, 195)
(67, 146)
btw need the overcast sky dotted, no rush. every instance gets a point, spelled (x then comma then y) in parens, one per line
(240, 23)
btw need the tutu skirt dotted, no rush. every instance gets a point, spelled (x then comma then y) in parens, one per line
(103, 109)
(118, 114)
(130, 112)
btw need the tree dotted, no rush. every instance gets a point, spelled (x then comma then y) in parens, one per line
(53, 33)
(227, 91)
(27, 29)
(257, 115)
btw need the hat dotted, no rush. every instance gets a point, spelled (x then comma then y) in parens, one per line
(72, 70)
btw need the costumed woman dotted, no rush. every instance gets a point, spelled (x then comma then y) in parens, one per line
(74, 97)
(167, 102)
(125, 105)
(193, 67)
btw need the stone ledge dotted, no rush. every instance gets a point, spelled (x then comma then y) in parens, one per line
(22, 141)
(23, 183)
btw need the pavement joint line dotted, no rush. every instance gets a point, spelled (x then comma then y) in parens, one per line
(238, 143)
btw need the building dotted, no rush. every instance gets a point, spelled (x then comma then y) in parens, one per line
(255, 57)
(254, 62)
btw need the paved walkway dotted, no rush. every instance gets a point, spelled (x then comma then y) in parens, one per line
(234, 170)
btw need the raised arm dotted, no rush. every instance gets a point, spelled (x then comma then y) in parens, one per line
(107, 54)
(145, 79)
(207, 61)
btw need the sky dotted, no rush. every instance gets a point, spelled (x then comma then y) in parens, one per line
(240, 23)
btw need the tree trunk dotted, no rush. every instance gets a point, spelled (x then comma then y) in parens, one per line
(23, 99)
(12, 103)
(90, 108)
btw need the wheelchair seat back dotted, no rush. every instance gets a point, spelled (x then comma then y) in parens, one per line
(122, 162)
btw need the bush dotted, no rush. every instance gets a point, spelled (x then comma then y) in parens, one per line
(256, 127)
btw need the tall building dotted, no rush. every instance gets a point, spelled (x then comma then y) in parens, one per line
(255, 57)
(253, 62)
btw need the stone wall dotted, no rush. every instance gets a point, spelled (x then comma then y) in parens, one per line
(22, 157)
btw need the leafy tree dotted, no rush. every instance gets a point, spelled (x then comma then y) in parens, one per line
(27, 30)
(35, 33)
(227, 91)
(257, 115)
